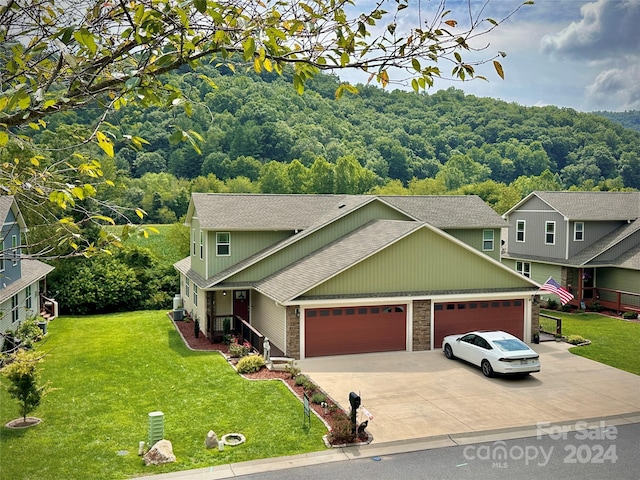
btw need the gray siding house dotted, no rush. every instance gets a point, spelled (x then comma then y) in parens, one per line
(588, 241)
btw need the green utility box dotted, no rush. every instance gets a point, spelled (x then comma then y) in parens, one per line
(156, 427)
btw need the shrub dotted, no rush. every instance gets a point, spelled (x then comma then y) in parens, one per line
(28, 332)
(318, 398)
(552, 304)
(239, 350)
(575, 339)
(629, 315)
(595, 306)
(301, 380)
(292, 369)
(341, 429)
(309, 386)
(250, 364)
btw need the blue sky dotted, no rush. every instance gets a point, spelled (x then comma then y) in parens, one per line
(582, 54)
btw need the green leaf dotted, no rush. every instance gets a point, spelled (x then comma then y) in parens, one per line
(4, 139)
(201, 5)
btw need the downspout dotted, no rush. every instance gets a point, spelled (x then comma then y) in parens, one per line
(566, 253)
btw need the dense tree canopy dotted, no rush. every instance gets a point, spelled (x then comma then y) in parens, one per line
(65, 55)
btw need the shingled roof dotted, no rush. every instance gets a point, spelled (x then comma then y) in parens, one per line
(299, 212)
(330, 260)
(590, 205)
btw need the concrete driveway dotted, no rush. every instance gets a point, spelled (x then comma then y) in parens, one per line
(422, 394)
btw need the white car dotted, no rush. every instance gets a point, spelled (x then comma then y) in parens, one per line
(494, 352)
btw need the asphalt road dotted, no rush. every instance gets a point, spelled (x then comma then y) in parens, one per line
(608, 452)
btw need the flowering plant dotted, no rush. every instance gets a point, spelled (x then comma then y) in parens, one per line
(239, 350)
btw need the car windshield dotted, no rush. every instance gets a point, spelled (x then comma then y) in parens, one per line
(510, 345)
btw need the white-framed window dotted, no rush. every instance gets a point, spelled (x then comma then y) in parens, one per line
(193, 240)
(488, 240)
(578, 231)
(524, 268)
(201, 245)
(520, 230)
(550, 233)
(14, 251)
(15, 311)
(27, 300)
(223, 244)
(195, 296)
(2, 254)
(186, 287)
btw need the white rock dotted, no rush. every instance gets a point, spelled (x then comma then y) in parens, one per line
(161, 452)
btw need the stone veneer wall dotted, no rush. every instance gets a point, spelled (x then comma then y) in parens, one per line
(293, 332)
(535, 317)
(421, 325)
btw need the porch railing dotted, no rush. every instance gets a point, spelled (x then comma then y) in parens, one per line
(551, 325)
(247, 333)
(618, 300)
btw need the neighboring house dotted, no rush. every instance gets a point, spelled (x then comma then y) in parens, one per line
(588, 241)
(21, 280)
(337, 274)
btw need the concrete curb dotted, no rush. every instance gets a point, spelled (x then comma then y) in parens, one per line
(389, 448)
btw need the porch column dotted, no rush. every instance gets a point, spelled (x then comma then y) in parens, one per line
(293, 332)
(421, 325)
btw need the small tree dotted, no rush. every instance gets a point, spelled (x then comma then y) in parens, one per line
(24, 377)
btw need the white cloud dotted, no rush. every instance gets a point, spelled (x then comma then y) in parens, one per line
(607, 28)
(616, 85)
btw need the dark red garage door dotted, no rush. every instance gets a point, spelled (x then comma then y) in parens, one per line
(462, 317)
(344, 330)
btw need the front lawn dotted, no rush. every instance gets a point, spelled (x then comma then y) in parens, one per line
(614, 341)
(110, 371)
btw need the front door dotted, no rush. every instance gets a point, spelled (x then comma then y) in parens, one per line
(241, 304)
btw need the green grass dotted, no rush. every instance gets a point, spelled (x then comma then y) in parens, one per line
(110, 371)
(614, 341)
(170, 244)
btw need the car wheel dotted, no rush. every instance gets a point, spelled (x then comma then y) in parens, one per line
(448, 352)
(486, 368)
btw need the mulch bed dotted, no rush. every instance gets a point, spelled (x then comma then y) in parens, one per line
(328, 414)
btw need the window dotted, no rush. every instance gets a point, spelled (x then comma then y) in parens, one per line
(27, 300)
(550, 233)
(201, 245)
(195, 296)
(520, 228)
(524, 268)
(14, 251)
(487, 240)
(193, 240)
(186, 287)
(15, 313)
(223, 244)
(578, 231)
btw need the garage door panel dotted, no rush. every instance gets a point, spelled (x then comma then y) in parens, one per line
(461, 317)
(350, 330)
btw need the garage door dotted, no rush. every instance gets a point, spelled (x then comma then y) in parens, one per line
(344, 330)
(462, 317)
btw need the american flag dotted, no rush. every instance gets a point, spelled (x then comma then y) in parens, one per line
(554, 287)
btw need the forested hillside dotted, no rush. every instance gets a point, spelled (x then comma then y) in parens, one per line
(255, 134)
(628, 119)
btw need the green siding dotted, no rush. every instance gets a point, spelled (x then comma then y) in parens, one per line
(619, 279)
(540, 272)
(317, 240)
(473, 238)
(197, 264)
(423, 261)
(243, 245)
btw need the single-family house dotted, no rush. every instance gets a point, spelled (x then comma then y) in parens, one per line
(338, 274)
(589, 242)
(22, 280)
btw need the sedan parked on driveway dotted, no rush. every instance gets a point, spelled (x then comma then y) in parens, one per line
(494, 352)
